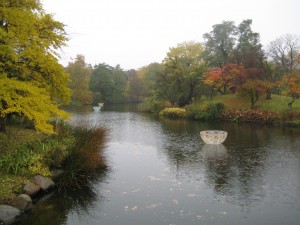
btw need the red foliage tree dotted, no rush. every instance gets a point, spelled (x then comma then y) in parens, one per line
(229, 76)
(292, 83)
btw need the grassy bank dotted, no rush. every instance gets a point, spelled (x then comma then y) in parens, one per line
(25, 153)
(237, 109)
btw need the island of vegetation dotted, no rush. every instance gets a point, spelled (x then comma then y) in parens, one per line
(230, 76)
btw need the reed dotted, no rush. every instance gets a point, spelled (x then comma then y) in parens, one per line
(85, 159)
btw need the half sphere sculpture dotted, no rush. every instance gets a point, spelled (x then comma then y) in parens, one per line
(213, 136)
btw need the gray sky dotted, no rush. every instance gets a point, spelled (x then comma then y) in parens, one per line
(135, 33)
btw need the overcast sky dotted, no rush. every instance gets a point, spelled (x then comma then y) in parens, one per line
(135, 33)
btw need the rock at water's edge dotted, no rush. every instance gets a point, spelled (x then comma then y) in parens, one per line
(8, 214)
(44, 182)
(23, 202)
(30, 188)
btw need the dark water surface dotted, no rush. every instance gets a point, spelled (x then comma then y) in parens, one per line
(162, 173)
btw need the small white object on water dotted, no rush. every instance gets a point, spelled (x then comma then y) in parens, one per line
(96, 108)
(213, 136)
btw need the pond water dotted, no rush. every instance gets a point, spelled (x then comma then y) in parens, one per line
(161, 173)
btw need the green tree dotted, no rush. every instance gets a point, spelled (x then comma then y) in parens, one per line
(120, 81)
(134, 86)
(108, 84)
(219, 43)
(80, 77)
(183, 71)
(248, 50)
(148, 76)
(29, 41)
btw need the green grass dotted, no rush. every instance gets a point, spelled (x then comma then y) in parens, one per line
(15, 137)
(24, 153)
(9, 142)
(278, 103)
(9, 187)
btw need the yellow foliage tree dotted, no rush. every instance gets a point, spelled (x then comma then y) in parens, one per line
(26, 99)
(29, 40)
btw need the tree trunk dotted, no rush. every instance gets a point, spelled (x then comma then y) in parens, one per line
(268, 94)
(290, 104)
(2, 124)
(254, 99)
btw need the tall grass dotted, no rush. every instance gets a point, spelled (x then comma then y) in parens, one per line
(206, 111)
(76, 150)
(86, 157)
(36, 156)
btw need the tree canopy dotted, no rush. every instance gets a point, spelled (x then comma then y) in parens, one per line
(183, 70)
(29, 41)
(80, 77)
(108, 83)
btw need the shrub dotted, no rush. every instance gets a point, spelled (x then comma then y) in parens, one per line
(173, 113)
(153, 105)
(290, 115)
(251, 116)
(36, 157)
(207, 112)
(85, 158)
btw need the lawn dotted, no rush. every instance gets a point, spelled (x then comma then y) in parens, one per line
(278, 103)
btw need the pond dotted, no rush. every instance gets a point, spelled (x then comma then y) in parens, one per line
(161, 172)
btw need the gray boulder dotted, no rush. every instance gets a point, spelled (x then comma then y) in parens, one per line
(8, 214)
(44, 182)
(23, 202)
(30, 188)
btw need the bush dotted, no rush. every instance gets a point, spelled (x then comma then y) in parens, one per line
(152, 105)
(207, 112)
(251, 116)
(36, 157)
(85, 158)
(74, 149)
(290, 115)
(173, 113)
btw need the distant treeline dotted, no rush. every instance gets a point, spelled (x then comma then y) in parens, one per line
(231, 60)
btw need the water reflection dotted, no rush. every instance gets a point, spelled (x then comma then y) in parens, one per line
(55, 207)
(214, 152)
(163, 173)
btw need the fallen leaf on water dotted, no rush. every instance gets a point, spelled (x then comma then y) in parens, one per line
(153, 206)
(134, 208)
(191, 195)
(175, 201)
(153, 178)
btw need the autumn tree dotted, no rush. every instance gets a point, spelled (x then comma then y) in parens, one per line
(29, 41)
(253, 89)
(30, 101)
(227, 77)
(81, 74)
(292, 85)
